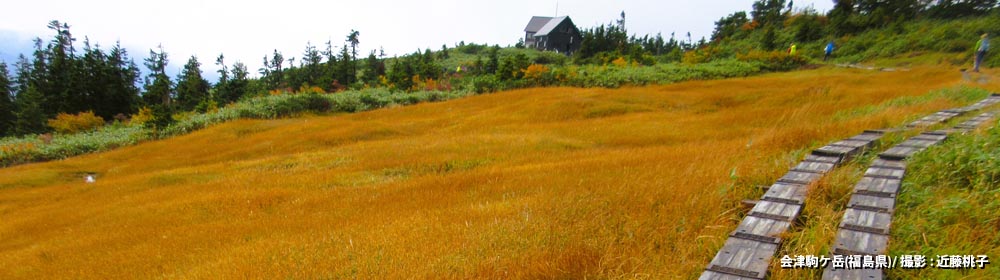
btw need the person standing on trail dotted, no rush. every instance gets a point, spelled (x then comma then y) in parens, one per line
(981, 47)
(792, 49)
(829, 50)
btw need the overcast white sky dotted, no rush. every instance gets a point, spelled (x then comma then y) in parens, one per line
(247, 30)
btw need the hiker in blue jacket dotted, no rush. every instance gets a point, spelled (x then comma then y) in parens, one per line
(829, 50)
(981, 47)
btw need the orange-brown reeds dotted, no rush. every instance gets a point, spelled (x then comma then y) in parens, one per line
(537, 183)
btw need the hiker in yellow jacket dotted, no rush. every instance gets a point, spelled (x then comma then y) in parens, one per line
(792, 49)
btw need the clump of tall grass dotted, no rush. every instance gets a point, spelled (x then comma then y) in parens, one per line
(949, 205)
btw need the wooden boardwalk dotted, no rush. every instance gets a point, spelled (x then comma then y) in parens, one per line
(864, 228)
(748, 251)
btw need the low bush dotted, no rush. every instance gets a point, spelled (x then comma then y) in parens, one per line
(773, 60)
(72, 123)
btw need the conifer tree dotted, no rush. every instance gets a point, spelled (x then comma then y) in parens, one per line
(30, 117)
(353, 38)
(311, 65)
(121, 93)
(7, 116)
(157, 85)
(330, 68)
(192, 89)
(61, 90)
(239, 82)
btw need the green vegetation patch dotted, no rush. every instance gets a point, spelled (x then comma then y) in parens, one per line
(950, 205)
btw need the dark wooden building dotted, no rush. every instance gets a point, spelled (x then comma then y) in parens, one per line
(557, 34)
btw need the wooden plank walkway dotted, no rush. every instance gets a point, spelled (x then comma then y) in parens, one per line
(864, 228)
(748, 251)
(945, 115)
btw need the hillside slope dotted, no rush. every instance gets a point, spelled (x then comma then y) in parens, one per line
(554, 182)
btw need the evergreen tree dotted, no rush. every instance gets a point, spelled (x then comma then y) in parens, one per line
(273, 72)
(7, 117)
(353, 39)
(221, 90)
(493, 60)
(330, 69)
(768, 12)
(729, 25)
(960, 8)
(375, 69)
(121, 93)
(30, 117)
(239, 83)
(429, 66)
(92, 79)
(192, 89)
(346, 73)
(157, 85)
(22, 75)
(879, 13)
(444, 51)
(840, 17)
(312, 67)
(60, 88)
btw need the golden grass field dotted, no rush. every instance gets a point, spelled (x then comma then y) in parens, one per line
(539, 183)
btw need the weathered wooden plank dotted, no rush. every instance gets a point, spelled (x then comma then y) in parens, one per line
(744, 258)
(712, 275)
(882, 187)
(852, 143)
(969, 125)
(850, 242)
(786, 193)
(894, 164)
(852, 274)
(919, 143)
(814, 166)
(964, 128)
(836, 151)
(866, 136)
(775, 210)
(799, 177)
(899, 152)
(879, 172)
(866, 221)
(936, 118)
(761, 229)
(872, 203)
(936, 132)
(879, 131)
(931, 137)
(819, 158)
(748, 203)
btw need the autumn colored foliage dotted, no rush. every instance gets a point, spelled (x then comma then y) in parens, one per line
(569, 183)
(73, 123)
